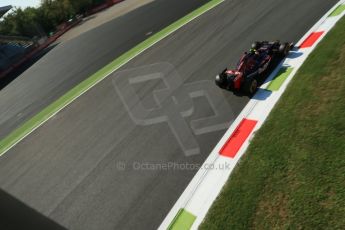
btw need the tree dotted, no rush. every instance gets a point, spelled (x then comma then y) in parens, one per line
(48, 16)
(81, 6)
(20, 23)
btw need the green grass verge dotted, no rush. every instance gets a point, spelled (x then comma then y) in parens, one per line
(41, 117)
(183, 220)
(338, 10)
(293, 173)
(283, 73)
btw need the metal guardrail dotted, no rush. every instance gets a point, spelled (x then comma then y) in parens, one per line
(16, 39)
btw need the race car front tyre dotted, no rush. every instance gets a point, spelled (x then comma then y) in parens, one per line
(256, 45)
(284, 49)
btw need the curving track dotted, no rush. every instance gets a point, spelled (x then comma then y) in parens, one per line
(73, 61)
(69, 168)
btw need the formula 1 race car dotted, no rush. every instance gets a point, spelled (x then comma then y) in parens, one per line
(252, 66)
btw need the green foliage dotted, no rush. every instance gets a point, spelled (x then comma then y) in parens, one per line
(19, 22)
(81, 6)
(32, 22)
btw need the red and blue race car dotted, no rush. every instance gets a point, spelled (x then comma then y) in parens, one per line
(252, 66)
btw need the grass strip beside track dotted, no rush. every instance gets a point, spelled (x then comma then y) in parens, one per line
(36, 121)
(279, 79)
(183, 220)
(292, 175)
(338, 10)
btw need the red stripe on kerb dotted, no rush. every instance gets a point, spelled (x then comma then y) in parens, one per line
(237, 138)
(311, 39)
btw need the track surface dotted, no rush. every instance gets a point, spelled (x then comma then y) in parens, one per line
(69, 168)
(73, 61)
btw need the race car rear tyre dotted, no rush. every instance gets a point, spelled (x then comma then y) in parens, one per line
(221, 81)
(250, 86)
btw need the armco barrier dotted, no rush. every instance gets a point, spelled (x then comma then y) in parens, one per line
(103, 6)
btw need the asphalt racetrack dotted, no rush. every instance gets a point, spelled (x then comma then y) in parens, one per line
(71, 62)
(98, 164)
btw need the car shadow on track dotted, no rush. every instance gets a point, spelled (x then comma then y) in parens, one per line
(17, 215)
